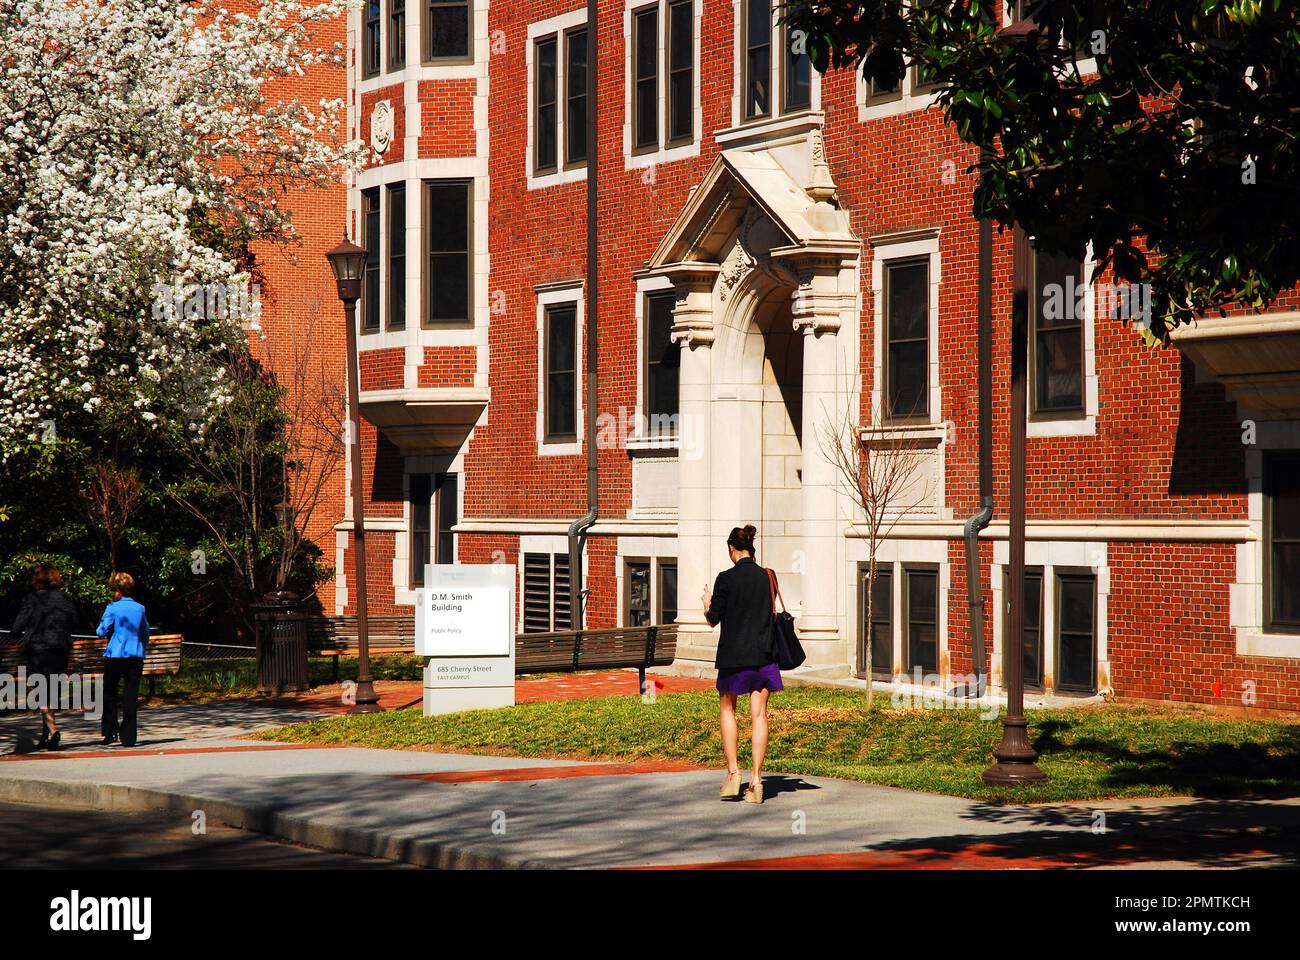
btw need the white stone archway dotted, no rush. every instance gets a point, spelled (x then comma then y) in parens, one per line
(766, 275)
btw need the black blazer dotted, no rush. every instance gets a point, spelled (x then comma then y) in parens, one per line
(742, 603)
(45, 622)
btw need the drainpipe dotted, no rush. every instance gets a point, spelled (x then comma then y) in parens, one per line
(578, 529)
(971, 532)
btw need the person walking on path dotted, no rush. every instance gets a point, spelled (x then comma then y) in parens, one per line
(741, 600)
(44, 629)
(127, 629)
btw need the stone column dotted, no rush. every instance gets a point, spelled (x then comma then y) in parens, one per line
(693, 332)
(816, 306)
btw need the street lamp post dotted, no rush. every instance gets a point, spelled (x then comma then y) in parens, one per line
(348, 261)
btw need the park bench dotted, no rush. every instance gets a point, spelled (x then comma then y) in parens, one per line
(568, 651)
(564, 651)
(162, 656)
(337, 637)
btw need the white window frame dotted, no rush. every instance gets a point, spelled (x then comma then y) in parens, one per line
(885, 249)
(549, 295)
(633, 160)
(1051, 556)
(1246, 593)
(641, 438)
(778, 116)
(543, 29)
(1085, 423)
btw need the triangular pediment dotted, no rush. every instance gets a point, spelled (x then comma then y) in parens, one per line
(737, 182)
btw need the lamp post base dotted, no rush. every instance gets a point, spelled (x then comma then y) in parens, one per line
(367, 699)
(1015, 757)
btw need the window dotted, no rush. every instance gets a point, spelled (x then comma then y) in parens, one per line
(922, 605)
(370, 240)
(667, 592)
(1076, 641)
(882, 622)
(397, 256)
(636, 583)
(1056, 325)
(547, 84)
(370, 50)
(907, 339)
(662, 362)
(1032, 636)
(681, 71)
(420, 493)
(446, 32)
(797, 87)
(757, 82)
(662, 76)
(547, 604)
(575, 82)
(432, 497)
(878, 93)
(922, 81)
(447, 261)
(1282, 546)
(396, 34)
(645, 43)
(560, 395)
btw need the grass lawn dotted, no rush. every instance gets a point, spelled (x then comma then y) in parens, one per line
(204, 681)
(1087, 753)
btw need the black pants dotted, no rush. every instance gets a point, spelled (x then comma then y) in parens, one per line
(124, 670)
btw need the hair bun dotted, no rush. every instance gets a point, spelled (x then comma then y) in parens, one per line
(750, 530)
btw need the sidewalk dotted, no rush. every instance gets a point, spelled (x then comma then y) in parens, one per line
(480, 811)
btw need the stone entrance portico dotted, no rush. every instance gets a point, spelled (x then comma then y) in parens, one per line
(765, 270)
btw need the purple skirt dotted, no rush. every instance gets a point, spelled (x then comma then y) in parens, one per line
(747, 679)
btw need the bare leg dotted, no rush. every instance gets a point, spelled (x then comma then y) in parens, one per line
(50, 723)
(758, 737)
(730, 731)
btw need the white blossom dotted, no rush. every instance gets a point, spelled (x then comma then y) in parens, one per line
(128, 126)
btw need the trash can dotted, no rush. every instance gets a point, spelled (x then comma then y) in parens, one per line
(281, 643)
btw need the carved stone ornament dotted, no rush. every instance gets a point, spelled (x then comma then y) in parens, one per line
(381, 126)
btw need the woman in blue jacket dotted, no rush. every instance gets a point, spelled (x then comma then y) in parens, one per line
(127, 629)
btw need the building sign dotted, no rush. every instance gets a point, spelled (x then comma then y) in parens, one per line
(464, 628)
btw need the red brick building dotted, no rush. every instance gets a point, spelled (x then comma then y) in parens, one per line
(781, 255)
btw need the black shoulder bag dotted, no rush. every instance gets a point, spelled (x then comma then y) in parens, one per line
(789, 651)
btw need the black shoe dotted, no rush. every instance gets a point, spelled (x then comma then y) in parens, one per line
(43, 739)
(109, 738)
(54, 740)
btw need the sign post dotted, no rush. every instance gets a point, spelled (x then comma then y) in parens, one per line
(465, 630)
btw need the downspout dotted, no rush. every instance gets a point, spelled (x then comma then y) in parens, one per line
(971, 531)
(578, 529)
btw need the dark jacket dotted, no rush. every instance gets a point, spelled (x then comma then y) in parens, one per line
(45, 622)
(742, 603)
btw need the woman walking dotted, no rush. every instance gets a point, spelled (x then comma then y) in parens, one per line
(741, 601)
(127, 628)
(44, 628)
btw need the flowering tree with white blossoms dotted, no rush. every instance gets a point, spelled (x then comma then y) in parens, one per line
(143, 148)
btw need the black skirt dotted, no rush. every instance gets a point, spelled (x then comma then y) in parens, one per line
(47, 662)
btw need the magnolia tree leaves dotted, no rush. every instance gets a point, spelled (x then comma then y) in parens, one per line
(1163, 133)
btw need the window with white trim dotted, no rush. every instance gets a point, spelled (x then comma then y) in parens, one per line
(558, 102)
(775, 72)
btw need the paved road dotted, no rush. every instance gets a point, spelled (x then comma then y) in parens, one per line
(459, 810)
(44, 838)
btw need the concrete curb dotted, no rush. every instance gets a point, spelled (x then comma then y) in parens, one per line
(264, 819)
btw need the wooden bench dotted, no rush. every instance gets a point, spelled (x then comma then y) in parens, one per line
(162, 656)
(337, 637)
(569, 651)
(565, 651)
